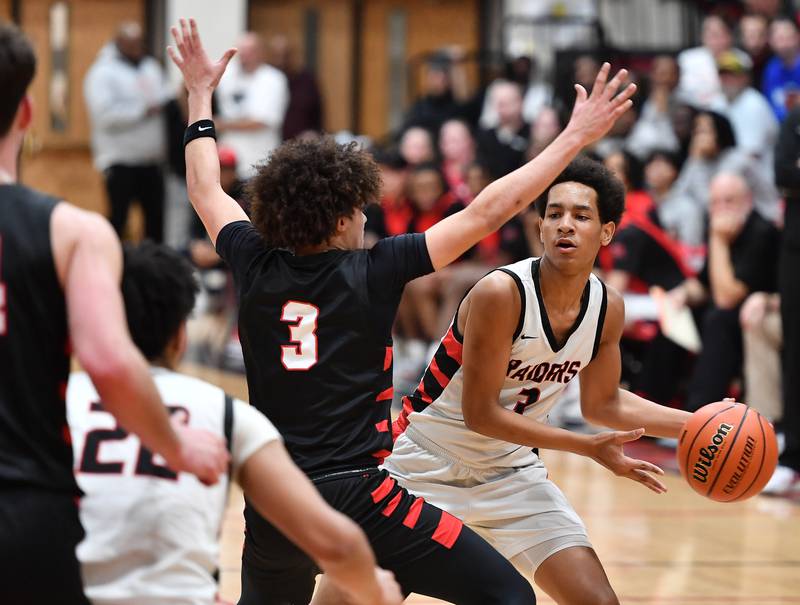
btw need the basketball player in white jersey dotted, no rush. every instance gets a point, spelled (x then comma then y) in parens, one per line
(152, 535)
(469, 435)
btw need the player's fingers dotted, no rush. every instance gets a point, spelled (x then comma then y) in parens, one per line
(173, 54)
(626, 94)
(600, 80)
(649, 467)
(613, 86)
(178, 40)
(626, 436)
(648, 481)
(621, 109)
(187, 39)
(195, 34)
(580, 94)
(228, 56)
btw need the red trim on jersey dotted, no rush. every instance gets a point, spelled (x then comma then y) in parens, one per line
(387, 512)
(383, 490)
(440, 376)
(413, 513)
(421, 392)
(448, 530)
(453, 348)
(381, 454)
(382, 426)
(387, 360)
(386, 395)
(401, 424)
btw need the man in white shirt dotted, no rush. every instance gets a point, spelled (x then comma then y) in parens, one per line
(699, 82)
(253, 98)
(754, 123)
(151, 534)
(125, 93)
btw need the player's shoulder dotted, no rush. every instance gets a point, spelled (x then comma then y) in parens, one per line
(614, 320)
(173, 384)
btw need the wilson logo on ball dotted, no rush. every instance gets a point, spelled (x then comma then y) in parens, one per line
(707, 454)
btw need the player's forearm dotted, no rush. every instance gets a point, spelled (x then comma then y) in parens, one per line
(630, 412)
(507, 196)
(202, 160)
(515, 428)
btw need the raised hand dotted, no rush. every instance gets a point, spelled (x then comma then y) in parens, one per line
(607, 450)
(200, 74)
(594, 114)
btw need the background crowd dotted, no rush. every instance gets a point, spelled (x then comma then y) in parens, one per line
(709, 156)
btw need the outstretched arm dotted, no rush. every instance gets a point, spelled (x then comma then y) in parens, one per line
(490, 314)
(201, 76)
(88, 259)
(592, 117)
(284, 496)
(604, 403)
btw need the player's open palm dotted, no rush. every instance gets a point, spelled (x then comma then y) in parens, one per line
(199, 72)
(607, 449)
(201, 453)
(594, 114)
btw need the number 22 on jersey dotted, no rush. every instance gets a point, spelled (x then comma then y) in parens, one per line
(302, 319)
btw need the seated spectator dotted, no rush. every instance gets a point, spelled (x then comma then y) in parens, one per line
(760, 318)
(392, 215)
(713, 150)
(654, 128)
(781, 83)
(457, 148)
(544, 130)
(751, 116)
(503, 148)
(537, 93)
(699, 82)
(742, 258)
(754, 40)
(443, 93)
(628, 169)
(416, 146)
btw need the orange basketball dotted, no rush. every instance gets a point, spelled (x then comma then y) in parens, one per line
(727, 451)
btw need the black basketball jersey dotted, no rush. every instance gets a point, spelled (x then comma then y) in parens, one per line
(316, 337)
(34, 358)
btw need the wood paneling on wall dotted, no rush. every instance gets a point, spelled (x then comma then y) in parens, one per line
(335, 44)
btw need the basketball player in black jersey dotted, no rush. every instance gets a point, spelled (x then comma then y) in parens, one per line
(315, 325)
(59, 283)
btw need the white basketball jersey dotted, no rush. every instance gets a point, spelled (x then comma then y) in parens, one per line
(152, 535)
(538, 371)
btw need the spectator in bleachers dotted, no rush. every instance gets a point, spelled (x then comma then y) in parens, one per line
(653, 129)
(253, 98)
(787, 176)
(754, 123)
(699, 82)
(125, 93)
(457, 148)
(392, 215)
(742, 258)
(754, 40)
(682, 118)
(544, 130)
(444, 92)
(713, 150)
(760, 318)
(502, 149)
(781, 83)
(304, 112)
(628, 169)
(536, 92)
(416, 146)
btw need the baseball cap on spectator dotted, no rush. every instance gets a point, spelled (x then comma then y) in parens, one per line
(227, 157)
(734, 61)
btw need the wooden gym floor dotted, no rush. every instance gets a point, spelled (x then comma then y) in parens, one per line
(674, 548)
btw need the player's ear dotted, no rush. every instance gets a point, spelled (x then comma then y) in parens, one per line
(25, 113)
(607, 233)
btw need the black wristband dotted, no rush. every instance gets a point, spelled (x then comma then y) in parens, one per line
(201, 128)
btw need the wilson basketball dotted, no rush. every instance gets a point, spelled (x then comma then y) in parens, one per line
(727, 451)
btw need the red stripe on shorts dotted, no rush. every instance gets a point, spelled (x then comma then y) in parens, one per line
(386, 395)
(386, 512)
(413, 513)
(383, 490)
(448, 530)
(382, 426)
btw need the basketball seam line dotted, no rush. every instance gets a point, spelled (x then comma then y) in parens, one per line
(728, 453)
(697, 434)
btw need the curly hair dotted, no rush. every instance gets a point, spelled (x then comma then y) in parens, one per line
(298, 196)
(159, 290)
(610, 190)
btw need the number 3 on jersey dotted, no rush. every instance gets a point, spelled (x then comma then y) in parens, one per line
(302, 353)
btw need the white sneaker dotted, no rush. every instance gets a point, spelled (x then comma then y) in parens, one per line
(784, 481)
